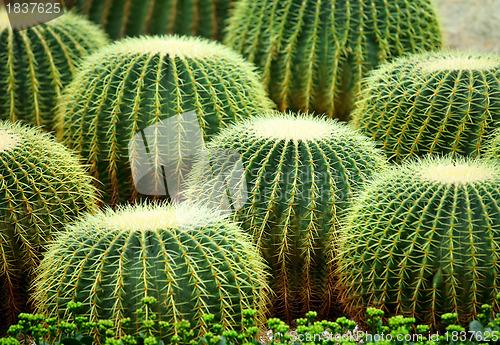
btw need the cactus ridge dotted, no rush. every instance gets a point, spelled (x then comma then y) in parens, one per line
(37, 63)
(137, 82)
(432, 103)
(42, 187)
(154, 17)
(422, 240)
(191, 259)
(298, 173)
(313, 53)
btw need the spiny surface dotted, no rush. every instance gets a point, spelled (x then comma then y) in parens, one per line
(42, 187)
(204, 18)
(133, 84)
(37, 63)
(313, 53)
(288, 186)
(422, 240)
(192, 259)
(447, 103)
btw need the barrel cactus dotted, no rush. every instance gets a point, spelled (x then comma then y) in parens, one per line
(295, 176)
(132, 18)
(313, 54)
(42, 188)
(431, 103)
(422, 239)
(133, 84)
(37, 63)
(193, 260)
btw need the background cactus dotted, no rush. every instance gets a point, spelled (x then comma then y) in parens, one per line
(422, 240)
(295, 176)
(131, 85)
(37, 63)
(204, 18)
(191, 259)
(313, 54)
(42, 188)
(492, 148)
(431, 103)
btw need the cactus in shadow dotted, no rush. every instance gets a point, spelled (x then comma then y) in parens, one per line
(204, 18)
(446, 103)
(422, 239)
(313, 54)
(37, 63)
(135, 83)
(191, 259)
(43, 187)
(295, 176)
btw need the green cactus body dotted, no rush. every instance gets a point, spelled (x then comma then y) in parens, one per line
(42, 188)
(297, 174)
(37, 63)
(492, 149)
(431, 104)
(131, 85)
(313, 54)
(193, 260)
(204, 18)
(422, 240)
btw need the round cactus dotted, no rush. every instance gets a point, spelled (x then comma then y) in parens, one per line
(193, 260)
(37, 63)
(42, 188)
(314, 53)
(431, 103)
(422, 239)
(131, 85)
(132, 18)
(295, 176)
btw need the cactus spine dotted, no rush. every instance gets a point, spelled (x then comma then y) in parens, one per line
(42, 188)
(431, 104)
(140, 81)
(37, 63)
(313, 54)
(154, 17)
(191, 259)
(297, 174)
(423, 239)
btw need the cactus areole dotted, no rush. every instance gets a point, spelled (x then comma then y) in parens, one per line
(423, 240)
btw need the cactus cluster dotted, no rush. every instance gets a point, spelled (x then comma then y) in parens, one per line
(203, 18)
(288, 177)
(433, 103)
(313, 54)
(42, 188)
(423, 239)
(191, 259)
(37, 63)
(133, 84)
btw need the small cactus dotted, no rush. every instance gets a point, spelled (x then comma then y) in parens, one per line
(422, 239)
(42, 188)
(446, 103)
(296, 175)
(37, 63)
(133, 84)
(313, 54)
(191, 259)
(204, 18)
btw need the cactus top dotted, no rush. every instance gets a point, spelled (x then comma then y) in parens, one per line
(4, 19)
(457, 174)
(457, 63)
(8, 140)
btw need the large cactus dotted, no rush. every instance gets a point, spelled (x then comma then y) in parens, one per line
(431, 103)
(204, 18)
(191, 259)
(296, 175)
(37, 63)
(131, 85)
(313, 53)
(423, 239)
(42, 188)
